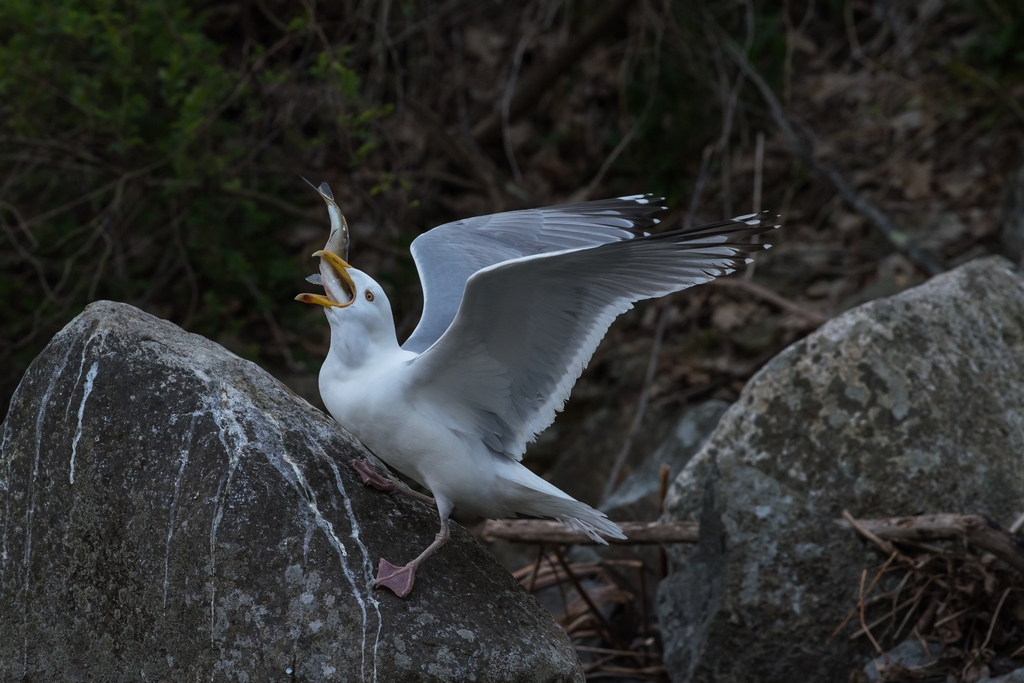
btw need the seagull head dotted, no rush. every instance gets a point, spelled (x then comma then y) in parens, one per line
(355, 305)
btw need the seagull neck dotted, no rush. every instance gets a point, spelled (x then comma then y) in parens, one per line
(357, 351)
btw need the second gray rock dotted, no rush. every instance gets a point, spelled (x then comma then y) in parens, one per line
(907, 405)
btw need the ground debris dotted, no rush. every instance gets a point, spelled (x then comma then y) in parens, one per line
(949, 595)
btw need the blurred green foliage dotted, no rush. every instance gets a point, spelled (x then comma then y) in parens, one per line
(996, 44)
(143, 160)
(150, 151)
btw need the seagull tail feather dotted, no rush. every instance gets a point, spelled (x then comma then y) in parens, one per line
(571, 512)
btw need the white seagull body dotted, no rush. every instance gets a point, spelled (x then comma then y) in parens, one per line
(515, 305)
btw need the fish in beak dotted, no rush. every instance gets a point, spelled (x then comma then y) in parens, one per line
(337, 283)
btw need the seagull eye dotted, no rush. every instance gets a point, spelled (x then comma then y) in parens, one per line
(369, 295)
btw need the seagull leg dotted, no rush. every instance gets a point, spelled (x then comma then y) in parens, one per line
(371, 477)
(401, 579)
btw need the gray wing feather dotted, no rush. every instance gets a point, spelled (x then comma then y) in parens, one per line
(449, 254)
(527, 328)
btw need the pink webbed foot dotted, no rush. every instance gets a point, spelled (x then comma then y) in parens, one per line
(398, 580)
(372, 477)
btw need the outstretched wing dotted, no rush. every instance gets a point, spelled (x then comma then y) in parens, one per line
(449, 254)
(527, 328)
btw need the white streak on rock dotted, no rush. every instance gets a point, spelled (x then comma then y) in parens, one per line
(298, 480)
(27, 559)
(367, 561)
(223, 415)
(174, 501)
(81, 412)
(7, 477)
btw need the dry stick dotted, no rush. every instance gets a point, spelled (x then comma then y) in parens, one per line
(620, 653)
(585, 193)
(506, 103)
(536, 83)
(953, 616)
(891, 613)
(995, 616)
(536, 569)
(913, 608)
(863, 623)
(973, 529)
(510, 89)
(667, 313)
(698, 187)
(607, 627)
(899, 239)
(547, 531)
(594, 666)
(896, 597)
(884, 545)
(112, 185)
(862, 604)
(1015, 527)
(853, 612)
(275, 329)
(723, 144)
(644, 626)
(771, 297)
(461, 154)
(664, 472)
(271, 17)
(758, 181)
(561, 589)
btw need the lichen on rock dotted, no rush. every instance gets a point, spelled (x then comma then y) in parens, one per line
(907, 405)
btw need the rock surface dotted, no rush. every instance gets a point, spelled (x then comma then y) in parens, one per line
(909, 654)
(173, 513)
(636, 497)
(907, 405)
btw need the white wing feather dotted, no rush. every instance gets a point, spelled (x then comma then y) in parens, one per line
(526, 328)
(449, 254)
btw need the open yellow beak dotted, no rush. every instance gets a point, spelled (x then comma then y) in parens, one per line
(344, 279)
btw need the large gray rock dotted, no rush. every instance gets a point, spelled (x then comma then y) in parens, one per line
(173, 513)
(907, 405)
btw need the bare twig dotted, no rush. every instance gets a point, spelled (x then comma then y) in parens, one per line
(899, 239)
(536, 83)
(536, 569)
(771, 297)
(1016, 526)
(275, 329)
(884, 545)
(973, 529)
(585, 193)
(863, 623)
(545, 531)
(458, 152)
(598, 616)
(609, 651)
(667, 313)
(510, 88)
(758, 181)
(89, 196)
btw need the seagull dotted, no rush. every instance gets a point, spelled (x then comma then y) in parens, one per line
(514, 306)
